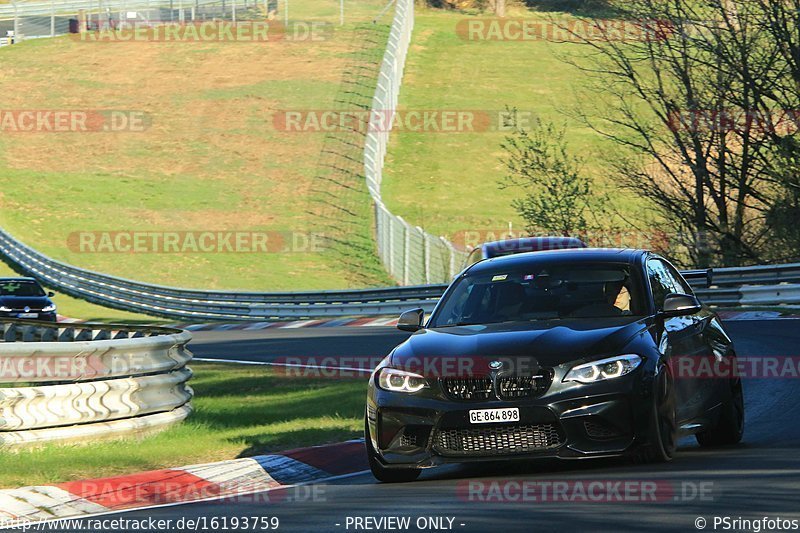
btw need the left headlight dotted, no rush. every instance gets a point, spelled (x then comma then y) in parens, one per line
(609, 368)
(395, 380)
(49, 308)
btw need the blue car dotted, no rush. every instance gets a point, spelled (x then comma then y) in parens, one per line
(489, 250)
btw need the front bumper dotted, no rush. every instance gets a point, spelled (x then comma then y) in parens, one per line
(39, 315)
(570, 421)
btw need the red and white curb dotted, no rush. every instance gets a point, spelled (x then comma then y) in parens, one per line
(222, 480)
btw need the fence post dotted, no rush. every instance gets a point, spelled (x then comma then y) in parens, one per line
(426, 247)
(452, 253)
(392, 222)
(407, 254)
(52, 18)
(15, 39)
(233, 11)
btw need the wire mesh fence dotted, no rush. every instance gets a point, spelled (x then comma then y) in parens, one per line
(411, 255)
(33, 20)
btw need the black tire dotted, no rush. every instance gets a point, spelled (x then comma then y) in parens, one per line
(381, 473)
(663, 423)
(730, 426)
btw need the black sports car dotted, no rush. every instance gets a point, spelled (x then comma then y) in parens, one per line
(568, 354)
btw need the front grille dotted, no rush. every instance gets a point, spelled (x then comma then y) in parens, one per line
(508, 387)
(512, 387)
(498, 439)
(468, 388)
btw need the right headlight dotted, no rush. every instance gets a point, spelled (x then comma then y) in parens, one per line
(609, 368)
(395, 380)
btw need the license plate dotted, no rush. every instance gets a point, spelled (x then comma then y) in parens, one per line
(489, 416)
(28, 315)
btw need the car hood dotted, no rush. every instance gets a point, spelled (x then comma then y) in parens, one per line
(550, 342)
(19, 302)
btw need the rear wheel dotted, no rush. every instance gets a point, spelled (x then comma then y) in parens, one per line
(730, 427)
(663, 423)
(381, 473)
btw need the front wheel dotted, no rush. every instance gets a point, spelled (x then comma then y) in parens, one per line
(730, 427)
(381, 473)
(663, 423)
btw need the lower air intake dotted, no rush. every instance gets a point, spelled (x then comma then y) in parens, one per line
(498, 440)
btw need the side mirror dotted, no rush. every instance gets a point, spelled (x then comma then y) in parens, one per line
(411, 320)
(680, 305)
(51, 294)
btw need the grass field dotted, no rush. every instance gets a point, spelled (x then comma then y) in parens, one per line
(240, 412)
(448, 183)
(211, 158)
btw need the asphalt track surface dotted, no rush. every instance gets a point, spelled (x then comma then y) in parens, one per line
(759, 478)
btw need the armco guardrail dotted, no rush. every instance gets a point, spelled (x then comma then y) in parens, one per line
(78, 382)
(731, 287)
(186, 304)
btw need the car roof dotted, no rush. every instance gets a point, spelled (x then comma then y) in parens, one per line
(570, 255)
(530, 244)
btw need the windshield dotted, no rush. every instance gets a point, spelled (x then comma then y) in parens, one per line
(20, 288)
(542, 293)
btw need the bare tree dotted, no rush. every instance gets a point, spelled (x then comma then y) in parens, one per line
(684, 91)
